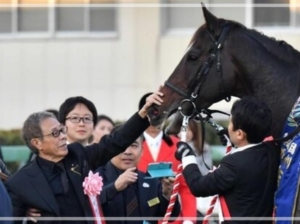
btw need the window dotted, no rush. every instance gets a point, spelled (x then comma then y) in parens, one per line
(5, 17)
(32, 19)
(189, 16)
(185, 17)
(101, 18)
(56, 17)
(70, 16)
(276, 15)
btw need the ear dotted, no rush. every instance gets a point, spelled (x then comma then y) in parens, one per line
(241, 135)
(211, 20)
(36, 143)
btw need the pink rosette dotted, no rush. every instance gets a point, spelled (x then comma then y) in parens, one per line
(92, 184)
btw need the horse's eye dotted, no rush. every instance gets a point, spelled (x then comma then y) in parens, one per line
(192, 57)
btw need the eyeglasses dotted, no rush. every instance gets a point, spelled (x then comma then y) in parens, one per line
(86, 120)
(56, 133)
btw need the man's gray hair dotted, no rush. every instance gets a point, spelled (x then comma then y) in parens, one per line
(32, 128)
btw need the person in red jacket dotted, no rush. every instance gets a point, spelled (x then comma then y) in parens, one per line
(159, 147)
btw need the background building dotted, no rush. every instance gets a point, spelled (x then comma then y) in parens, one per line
(111, 52)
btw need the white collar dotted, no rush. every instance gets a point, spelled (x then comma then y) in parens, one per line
(234, 150)
(149, 138)
(82, 145)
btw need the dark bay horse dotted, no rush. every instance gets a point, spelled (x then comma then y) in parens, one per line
(226, 59)
(246, 63)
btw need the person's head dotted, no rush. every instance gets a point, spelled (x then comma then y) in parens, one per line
(193, 135)
(131, 156)
(250, 122)
(45, 136)
(53, 111)
(79, 115)
(103, 127)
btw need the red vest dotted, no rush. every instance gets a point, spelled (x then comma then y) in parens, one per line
(166, 154)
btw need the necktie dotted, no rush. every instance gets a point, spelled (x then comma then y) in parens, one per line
(63, 176)
(132, 205)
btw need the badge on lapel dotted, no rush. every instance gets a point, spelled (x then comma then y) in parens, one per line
(75, 169)
(146, 185)
(153, 202)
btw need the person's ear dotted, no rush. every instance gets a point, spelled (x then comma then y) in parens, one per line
(241, 135)
(37, 143)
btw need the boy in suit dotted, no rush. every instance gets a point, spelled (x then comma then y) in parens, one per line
(126, 192)
(246, 178)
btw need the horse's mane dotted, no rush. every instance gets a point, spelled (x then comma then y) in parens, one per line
(277, 47)
(269, 42)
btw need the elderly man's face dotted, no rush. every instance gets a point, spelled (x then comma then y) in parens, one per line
(50, 147)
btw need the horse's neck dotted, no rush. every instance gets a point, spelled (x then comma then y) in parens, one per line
(269, 79)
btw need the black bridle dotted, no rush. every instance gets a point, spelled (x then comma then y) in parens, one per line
(203, 71)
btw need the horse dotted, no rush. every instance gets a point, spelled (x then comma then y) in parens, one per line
(223, 59)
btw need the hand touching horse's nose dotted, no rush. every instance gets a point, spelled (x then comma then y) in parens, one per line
(154, 98)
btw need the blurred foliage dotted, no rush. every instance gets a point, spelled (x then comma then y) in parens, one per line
(211, 136)
(11, 137)
(12, 166)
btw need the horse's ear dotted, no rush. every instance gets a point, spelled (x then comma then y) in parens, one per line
(211, 20)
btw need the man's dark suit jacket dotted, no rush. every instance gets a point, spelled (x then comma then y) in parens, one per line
(247, 179)
(148, 189)
(5, 205)
(29, 188)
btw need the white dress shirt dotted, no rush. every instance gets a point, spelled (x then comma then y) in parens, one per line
(234, 150)
(154, 144)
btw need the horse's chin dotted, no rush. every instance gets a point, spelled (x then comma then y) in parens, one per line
(175, 125)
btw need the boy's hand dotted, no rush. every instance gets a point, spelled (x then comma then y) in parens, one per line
(183, 150)
(223, 136)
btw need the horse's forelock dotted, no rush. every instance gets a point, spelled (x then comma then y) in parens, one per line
(197, 35)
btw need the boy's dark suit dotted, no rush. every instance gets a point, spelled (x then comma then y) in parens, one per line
(247, 179)
(149, 191)
(29, 188)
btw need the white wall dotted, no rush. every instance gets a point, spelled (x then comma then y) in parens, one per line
(36, 74)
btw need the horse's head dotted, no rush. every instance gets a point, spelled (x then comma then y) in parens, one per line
(205, 74)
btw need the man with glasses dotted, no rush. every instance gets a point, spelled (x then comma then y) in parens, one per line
(78, 114)
(52, 183)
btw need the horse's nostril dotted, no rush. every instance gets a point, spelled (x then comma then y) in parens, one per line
(155, 112)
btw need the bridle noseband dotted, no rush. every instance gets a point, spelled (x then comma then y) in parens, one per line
(203, 71)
